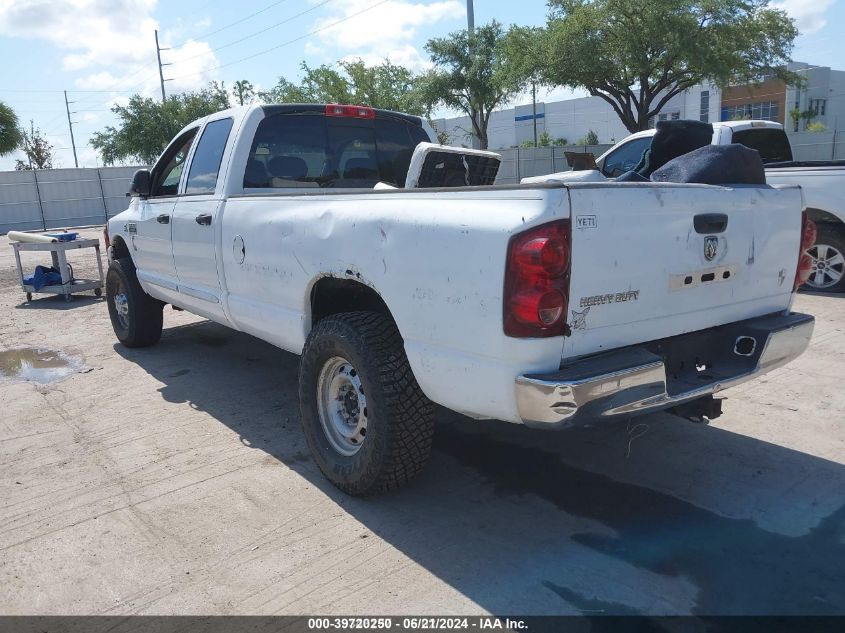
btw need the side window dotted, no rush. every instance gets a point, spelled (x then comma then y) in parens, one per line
(625, 158)
(168, 171)
(202, 178)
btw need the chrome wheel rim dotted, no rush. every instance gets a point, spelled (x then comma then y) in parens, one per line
(828, 266)
(342, 406)
(121, 306)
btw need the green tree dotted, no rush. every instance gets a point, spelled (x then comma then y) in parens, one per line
(560, 142)
(385, 85)
(638, 54)
(470, 74)
(10, 134)
(243, 92)
(544, 140)
(38, 150)
(147, 125)
(795, 116)
(816, 126)
(590, 138)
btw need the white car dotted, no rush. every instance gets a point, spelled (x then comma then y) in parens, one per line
(823, 184)
(540, 304)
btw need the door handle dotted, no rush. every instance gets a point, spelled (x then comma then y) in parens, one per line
(204, 219)
(163, 219)
(710, 222)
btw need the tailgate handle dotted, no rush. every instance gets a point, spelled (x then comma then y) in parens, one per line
(710, 222)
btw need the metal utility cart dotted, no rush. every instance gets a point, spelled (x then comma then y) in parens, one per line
(58, 252)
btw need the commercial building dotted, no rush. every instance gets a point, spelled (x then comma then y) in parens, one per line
(820, 99)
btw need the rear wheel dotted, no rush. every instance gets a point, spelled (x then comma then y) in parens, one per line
(367, 423)
(136, 317)
(828, 255)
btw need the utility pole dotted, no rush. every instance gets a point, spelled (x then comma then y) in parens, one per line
(534, 108)
(70, 126)
(160, 66)
(470, 32)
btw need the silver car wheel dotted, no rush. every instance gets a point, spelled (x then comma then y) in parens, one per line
(828, 266)
(121, 306)
(342, 406)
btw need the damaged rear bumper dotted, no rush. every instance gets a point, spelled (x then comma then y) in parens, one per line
(663, 373)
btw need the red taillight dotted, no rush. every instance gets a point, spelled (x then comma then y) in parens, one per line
(106, 239)
(805, 262)
(356, 112)
(537, 281)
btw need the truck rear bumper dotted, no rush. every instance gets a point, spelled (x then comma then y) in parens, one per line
(661, 374)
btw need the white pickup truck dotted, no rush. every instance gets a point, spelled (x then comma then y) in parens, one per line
(544, 304)
(823, 184)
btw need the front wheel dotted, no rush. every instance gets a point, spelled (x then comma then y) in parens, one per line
(366, 421)
(136, 317)
(828, 256)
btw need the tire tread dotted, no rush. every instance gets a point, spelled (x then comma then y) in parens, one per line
(411, 413)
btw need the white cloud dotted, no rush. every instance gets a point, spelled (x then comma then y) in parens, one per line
(810, 16)
(385, 31)
(407, 55)
(113, 39)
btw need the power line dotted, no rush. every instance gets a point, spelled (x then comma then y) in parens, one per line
(251, 35)
(278, 46)
(244, 19)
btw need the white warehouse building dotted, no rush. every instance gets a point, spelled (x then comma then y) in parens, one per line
(571, 119)
(823, 94)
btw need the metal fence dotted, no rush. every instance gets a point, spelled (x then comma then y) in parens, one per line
(57, 198)
(818, 145)
(519, 163)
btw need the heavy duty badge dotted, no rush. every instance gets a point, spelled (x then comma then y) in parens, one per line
(711, 247)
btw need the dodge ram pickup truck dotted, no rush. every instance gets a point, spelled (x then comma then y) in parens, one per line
(822, 182)
(548, 304)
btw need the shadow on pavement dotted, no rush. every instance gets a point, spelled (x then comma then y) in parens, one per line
(57, 302)
(697, 520)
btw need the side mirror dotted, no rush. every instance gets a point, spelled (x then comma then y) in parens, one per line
(140, 184)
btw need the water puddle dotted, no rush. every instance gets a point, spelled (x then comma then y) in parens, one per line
(37, 364)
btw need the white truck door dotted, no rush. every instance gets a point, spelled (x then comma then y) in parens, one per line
(195, 225)
(150, 236)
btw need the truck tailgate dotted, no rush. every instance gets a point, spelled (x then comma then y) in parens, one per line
(651, 261)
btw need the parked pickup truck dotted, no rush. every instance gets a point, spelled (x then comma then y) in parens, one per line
(542, 304)
(823, 184)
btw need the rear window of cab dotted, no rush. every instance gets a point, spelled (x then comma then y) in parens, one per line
(312, 150)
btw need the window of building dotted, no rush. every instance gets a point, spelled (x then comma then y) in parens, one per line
(817, 106)
(764, 110)
(704, 113)
(206, 162)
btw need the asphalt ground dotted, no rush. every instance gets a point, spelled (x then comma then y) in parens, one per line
(175, 480)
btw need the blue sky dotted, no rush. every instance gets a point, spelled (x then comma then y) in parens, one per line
(101, 51)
